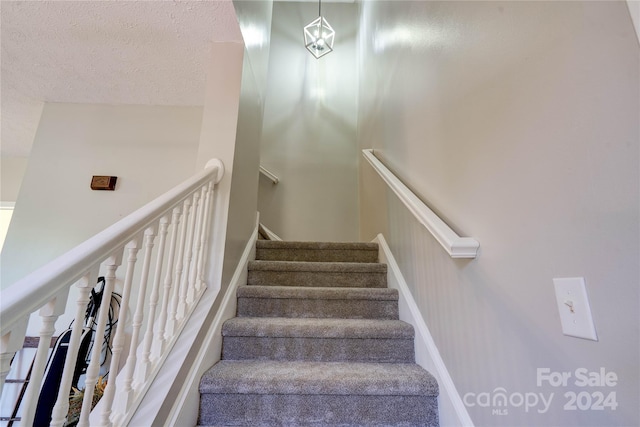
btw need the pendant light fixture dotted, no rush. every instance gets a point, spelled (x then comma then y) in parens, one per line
(318, 35)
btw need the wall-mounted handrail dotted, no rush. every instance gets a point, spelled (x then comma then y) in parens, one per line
(270, 234)
(270, 175)
(456, 246)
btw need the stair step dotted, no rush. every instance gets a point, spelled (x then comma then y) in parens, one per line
(333, 378)
(323, 274)
(318, 302)
(272, 250)
(317, 343)
(271, 393)
(336, 340)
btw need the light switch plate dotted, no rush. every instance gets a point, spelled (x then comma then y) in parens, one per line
(573, 305)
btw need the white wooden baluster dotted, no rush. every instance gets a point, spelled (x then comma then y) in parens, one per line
(132, 249)
(204, 236)
(166, 294)
(186, 294)
(172, 322)
(191, 237)
(179, 266)
(125, 397)
(93, 370)
(49, 314)
(193, 277)
(60, 409)
(9, 344)
(145, 364)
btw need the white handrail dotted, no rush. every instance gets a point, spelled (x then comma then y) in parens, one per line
(456, 246)
(39, 287)
(47, 288)
(270, 175)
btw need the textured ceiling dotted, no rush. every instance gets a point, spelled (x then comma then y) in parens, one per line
(106, 52)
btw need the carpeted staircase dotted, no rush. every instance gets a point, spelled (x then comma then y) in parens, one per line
(317, 342)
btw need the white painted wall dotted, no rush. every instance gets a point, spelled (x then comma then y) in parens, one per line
(309, 132)
(149, 149)
(243, 205)
(634, 10)
(519, 123)
(254, 18)
(12, 171)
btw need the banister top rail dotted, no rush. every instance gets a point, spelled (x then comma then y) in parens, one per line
(36, 289)
(456, 246)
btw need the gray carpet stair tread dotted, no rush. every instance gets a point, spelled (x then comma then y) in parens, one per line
(322, 274)
(280, 244)
(318, 378)
(281, 327)
(318, 267)
(317, 293)
(317, 251)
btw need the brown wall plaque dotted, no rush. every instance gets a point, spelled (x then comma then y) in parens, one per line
(99, 182)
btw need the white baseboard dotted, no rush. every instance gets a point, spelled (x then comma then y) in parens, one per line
(452, 411)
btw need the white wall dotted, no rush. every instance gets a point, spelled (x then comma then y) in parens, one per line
(12, 171)
(634, 10)
(254, 18)
(243, 205)
(309, 132)
(149, 149)
(519, 123)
